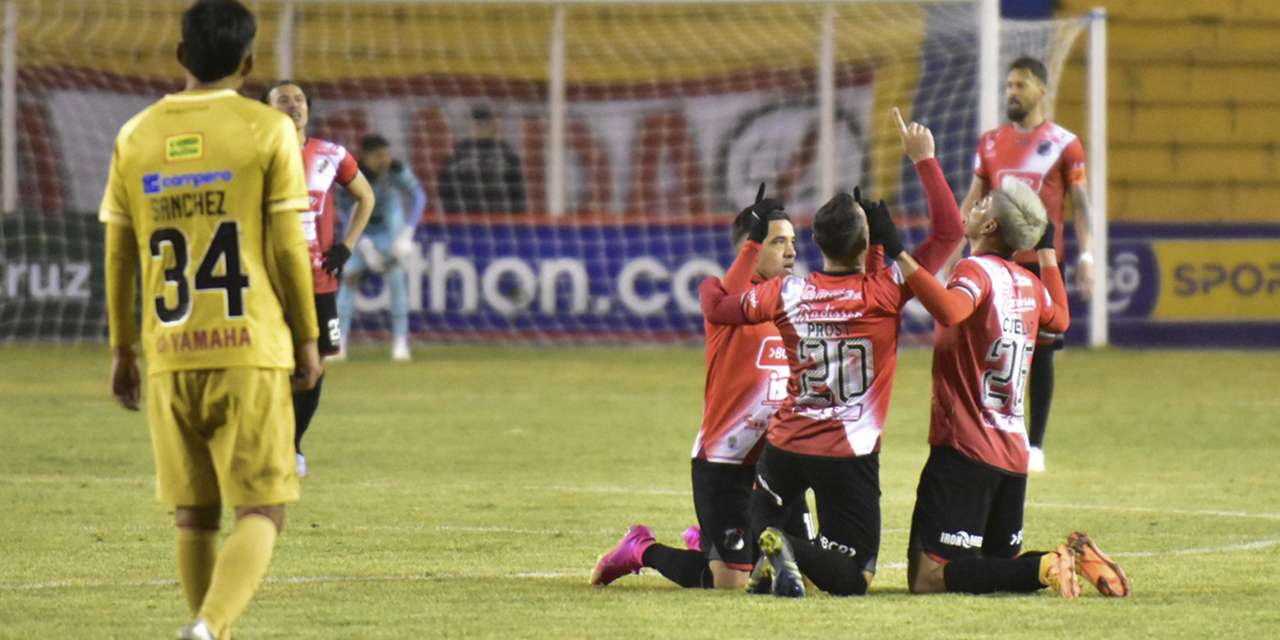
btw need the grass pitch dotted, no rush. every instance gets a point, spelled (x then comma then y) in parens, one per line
(468, 494)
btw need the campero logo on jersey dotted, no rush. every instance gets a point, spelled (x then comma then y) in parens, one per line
(154, 183)
(184, 146)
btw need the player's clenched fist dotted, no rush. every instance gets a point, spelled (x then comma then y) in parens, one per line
(883, 231)
(917, 140)
(760, 211)
(126, 378)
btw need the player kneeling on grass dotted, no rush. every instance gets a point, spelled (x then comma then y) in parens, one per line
(840, 329)
(966, 532)
(740, 398)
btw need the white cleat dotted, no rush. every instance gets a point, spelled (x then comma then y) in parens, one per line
(197, 630)
(1035, 461)
(400, 351)
(342, 352)
(302, 465)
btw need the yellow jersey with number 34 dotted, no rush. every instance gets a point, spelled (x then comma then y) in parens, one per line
(199, 177)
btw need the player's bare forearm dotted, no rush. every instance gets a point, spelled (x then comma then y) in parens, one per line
(718, 307)
(293, 268)
(738, 280)
(1084, 240)
(947, 306)
(1080, 214)
(946, 229)
(362, 192)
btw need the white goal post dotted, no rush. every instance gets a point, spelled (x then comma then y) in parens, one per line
(642, 127)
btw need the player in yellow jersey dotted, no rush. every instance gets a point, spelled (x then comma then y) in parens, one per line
(205, 192)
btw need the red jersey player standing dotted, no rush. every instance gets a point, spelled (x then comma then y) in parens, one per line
(1050, 160)
(840, 329)
(746, 382)
(325, 163)
(966, 530)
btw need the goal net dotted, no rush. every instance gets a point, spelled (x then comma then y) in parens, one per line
(640, 129)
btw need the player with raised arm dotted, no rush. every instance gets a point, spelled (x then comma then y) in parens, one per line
(746, 374)
(326, 163)
(205, 191)
(1050, 160)
(388, 241)
(840, 328)
(966, 530)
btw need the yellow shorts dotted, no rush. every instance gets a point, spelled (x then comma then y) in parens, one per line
(223, 435)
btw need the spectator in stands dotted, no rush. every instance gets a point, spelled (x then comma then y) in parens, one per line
(483, 174)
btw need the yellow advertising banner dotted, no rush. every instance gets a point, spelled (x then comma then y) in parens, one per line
(1215, 280)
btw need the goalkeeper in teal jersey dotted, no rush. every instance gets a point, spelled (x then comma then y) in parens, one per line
(387, 241)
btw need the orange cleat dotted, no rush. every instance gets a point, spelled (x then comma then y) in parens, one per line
(1097, 568)
(1059, 572)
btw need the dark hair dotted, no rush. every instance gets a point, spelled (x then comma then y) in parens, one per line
(482, 114)
(373, 142)
(1033, 65)
(837, 228)
(216, 37)
(742, 223)
(266, 95)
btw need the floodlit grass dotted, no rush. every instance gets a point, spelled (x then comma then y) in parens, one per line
(468, 494)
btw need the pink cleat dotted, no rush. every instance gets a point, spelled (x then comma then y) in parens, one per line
(624, 558)
(693, 538)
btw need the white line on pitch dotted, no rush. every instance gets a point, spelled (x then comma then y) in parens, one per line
(1175, 512)
(1241, 546)
(61, 584)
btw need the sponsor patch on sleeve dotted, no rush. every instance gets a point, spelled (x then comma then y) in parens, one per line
(184, 146)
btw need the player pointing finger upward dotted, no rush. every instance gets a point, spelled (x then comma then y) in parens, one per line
(917, 140)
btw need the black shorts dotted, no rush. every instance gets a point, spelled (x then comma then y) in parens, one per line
(327, 318)
(846, 494)
(1045, 339)
(721, 499)
(966, 509)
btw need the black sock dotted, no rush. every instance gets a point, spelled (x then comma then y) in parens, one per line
(988, 575)
(304, 408)
(1040, 394)
(684, 567)
(834, 572)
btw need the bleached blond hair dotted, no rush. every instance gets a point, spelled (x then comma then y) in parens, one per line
(1020, 213)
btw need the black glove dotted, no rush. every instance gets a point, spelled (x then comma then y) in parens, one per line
(867, 205)
(760, 215)
(1046, 240)
(883, 231)
(335, 258)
